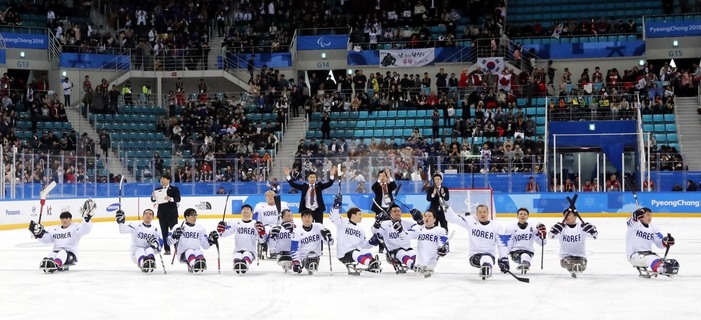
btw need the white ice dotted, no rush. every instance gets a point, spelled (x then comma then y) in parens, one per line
(105, 284)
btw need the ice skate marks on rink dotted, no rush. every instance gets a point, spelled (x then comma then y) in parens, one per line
(105, 284)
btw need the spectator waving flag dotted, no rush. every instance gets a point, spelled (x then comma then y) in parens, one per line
(494, 64)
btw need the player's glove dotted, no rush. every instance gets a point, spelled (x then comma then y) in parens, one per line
(557, 228)
(375, 240)
(274, 232)
(88, 209)
(443, 250)
(288, 225)
(668, 241)
(503, 264)
(221, 226)
(153, 242)
(589, 228)
(638, 214)
(36, 229)
(377, 223)
(397, 226)
(261, 229)
(417, 216)
(326, 233)
(119, 216)
(541, 231)
(296, 266)
(177, 233)
(337, 201)
(213, 238)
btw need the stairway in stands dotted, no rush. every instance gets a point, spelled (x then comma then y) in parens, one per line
(296, 130)
(81, 126)
(689, 126)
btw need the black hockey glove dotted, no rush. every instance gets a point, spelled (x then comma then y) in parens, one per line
(260, 228)
(375, 240)
(377, 223)
(541, 231)
(397, 226)
(120, 217)
(153, 242)
(36, 229)
(417, 216)
(274, 232)
(589, 228)
(638, 214)
(443, 250)
(557, 228)
(177, 233)
(289, 226)
(213, 238)
(668, 241)
(504, 264)
(221, 226)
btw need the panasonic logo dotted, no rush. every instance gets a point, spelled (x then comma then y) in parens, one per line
(12, 212)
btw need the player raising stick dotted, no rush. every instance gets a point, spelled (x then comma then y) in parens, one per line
(65, 238)
(432, 242)
(520, 237)
(399, 251)
(572, 236)
(485, 239)
(640, 236)
(247, 234)
(269, 214)
(191, 238)
(145, 239)
(307, 243)
(352, 247)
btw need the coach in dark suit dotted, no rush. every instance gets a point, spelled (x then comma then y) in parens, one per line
(167, 211)
(311, 193)
(383, 189)
(433, 194)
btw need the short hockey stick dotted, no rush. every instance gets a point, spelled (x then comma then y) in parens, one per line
(330, 263)
(175, 249)
(522, 279)
(42, 198)
(666, 250)
(162, 263)
(121, 184)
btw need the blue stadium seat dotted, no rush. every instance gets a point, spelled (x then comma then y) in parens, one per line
(660, 128)
(647, 118)
(657, 118)
(648, 127)
(669, 118)
(671, 128)
(672, 137)
(401, 122)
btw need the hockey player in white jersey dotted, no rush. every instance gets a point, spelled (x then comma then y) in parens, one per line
(431, 243)
(65, 238)
(145, 239)
(391, 232)
(282, 235)
(520, 237)
(485, 239)
(307, 243)
(572, 236)
(191, 238)
(640, 236)
(352, 247)
(269, 214)
(248, 233)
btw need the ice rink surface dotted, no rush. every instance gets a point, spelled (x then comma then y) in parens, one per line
(105, 284)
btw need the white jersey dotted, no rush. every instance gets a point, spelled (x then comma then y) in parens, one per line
(66, 238)
(194, 237)
(484, 238)
(522, 238)
(246, 236)
(350, 236)
(140, 233)
(427, 243)
(572, 241)
(640, 237)
(283, 241)
(393, 239)
(268, 214)
(305, 241)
